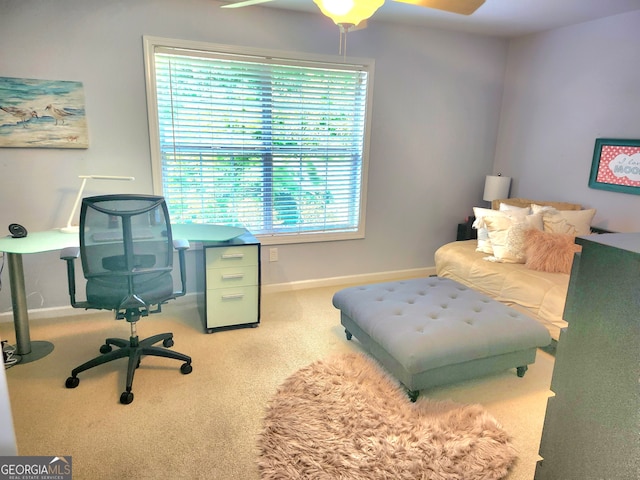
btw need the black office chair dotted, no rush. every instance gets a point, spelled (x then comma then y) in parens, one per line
(126, 250)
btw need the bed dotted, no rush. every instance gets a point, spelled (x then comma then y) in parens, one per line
(502, 269)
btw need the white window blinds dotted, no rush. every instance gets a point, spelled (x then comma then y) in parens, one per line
(271, 144)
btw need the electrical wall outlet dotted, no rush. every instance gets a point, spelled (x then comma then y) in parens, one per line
(273, 254)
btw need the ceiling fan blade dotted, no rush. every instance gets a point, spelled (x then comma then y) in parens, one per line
(354, 28)
(361, 26)
(245, 3)
(463, 7)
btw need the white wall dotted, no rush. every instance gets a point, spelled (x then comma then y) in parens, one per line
(564, 89)
(435, 120)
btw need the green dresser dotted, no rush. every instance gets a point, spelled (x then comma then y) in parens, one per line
(231, 283)
(592, 424)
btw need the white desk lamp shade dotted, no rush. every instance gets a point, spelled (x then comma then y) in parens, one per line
(73, 228)
(496, 187)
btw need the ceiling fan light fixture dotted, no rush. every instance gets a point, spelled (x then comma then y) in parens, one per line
(348, 11)
(337, 7)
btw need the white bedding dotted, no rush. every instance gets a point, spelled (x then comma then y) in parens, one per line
(540, 294)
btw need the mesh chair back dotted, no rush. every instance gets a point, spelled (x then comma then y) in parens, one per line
(127, 250)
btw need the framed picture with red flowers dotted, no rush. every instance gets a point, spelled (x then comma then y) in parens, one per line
(616, 165)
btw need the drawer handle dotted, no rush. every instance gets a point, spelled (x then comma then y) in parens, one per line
(233, 296)
(232, 276)
(230, 256)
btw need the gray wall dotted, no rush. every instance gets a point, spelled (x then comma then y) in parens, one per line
(438, 109)
(564, 89)
(435, 119)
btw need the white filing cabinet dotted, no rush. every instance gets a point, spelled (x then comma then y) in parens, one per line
(232, 283)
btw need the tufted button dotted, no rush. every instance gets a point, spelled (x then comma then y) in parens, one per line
(444, 305)
(477, 309)
(453, 295)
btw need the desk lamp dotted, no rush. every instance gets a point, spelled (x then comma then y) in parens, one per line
(75, 229)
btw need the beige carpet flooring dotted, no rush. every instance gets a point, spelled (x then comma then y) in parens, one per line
(204, 425)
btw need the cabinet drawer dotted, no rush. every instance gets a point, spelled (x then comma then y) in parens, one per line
(232, 306)
(220, 257)
(232, 276)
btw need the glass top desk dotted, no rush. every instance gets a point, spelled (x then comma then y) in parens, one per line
(51, 240)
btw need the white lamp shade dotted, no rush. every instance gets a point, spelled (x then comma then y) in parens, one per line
(496, 187)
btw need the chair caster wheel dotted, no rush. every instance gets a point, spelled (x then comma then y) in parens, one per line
(105, 348)
(186, 368)
(126, 398)
(168, 343)
(72, 382)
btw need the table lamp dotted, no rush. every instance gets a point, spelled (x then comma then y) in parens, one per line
(496, 187)
(73, 228)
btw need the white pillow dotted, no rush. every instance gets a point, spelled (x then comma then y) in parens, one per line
(572, 222)
(507, 235)
(580, 219)
(484, 243)
(505, 207)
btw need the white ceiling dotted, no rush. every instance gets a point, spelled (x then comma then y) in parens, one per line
(506, 18)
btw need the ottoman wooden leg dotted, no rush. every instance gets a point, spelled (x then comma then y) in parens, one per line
(413, 395)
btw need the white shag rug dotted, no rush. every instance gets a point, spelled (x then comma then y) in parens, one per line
(346, 418)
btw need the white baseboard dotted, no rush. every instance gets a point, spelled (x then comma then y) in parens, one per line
(68, 311)
(52, 312)
(350, 280)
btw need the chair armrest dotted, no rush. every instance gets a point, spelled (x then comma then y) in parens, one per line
(181, 244)
(70, 253)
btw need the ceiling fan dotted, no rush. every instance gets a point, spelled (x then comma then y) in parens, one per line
(338, 8)
(352, 15)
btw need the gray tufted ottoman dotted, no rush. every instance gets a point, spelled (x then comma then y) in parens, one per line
(432, 331)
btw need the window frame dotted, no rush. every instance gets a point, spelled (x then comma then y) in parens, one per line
(152, 43)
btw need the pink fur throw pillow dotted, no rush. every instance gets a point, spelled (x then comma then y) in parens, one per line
(549, 252)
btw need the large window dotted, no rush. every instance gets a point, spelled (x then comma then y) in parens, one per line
(269, 141)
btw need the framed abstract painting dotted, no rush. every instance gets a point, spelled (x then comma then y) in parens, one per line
(616, 165)
(42, 114)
